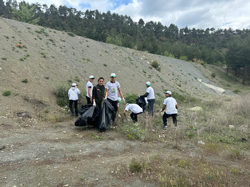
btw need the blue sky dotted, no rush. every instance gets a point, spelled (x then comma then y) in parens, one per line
(191, 13)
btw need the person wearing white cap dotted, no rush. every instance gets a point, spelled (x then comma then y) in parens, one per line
(73, 94)
(171, 111)
(135, 109)
(150, 95)
(111, 94)
(89, 88)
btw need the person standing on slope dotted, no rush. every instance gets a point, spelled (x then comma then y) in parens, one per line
(150, 95)
(89, 88)
(171, 111)
(112, 89)
(98, 94)
(73, 94)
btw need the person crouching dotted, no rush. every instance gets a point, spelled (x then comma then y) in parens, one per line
(135, 109)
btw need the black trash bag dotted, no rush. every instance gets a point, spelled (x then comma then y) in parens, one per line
(84, 108)
(106, 116)
(89, 115)
(141, 102)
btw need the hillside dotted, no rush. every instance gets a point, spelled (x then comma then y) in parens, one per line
(50, 58)
(41, 146)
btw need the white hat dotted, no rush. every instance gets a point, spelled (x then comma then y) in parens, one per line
(148, 83)
(91, 77)
(113, 75)
(73, 84)
(168, 92)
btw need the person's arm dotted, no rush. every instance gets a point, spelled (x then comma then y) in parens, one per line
(106, 93)
(120, 91)
(176, 106)
(93, 96)
(89, 89)
(163, 108)
(124, 112)
(145, 95)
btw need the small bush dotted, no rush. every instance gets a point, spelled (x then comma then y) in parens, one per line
(46, 77)
(4, 58)
(61, 93)
(21, 59)
(71, 34)
(25, 80)
(6, 93)
(236, 91)
(213, 75)
(134, 166)
(7, 37)
(105, 65)
(131, 98)
(156, 65)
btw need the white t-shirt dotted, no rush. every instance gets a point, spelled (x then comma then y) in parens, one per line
(151, 93)
(134, 108)
(89, 84)
(113, 90)
(170, 103)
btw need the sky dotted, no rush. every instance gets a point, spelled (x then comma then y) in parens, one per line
(199, 14)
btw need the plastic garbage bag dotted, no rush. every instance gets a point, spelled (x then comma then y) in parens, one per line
(89, 116)
(141, 102)
(106, 116)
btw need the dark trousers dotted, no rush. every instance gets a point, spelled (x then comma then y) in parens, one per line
(71, 107)
(114, 104)
(165, 116)
(88, 100)
(151, 103)
(134, 116)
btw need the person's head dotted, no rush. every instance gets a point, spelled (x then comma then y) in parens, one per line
(73, 85)
(147, 84)
(113, 77)
(168, 93)
(100, 81)
(91, 78)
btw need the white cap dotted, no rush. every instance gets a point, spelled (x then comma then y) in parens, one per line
(168, 92)
(73, 84)
(148, 83)
(91, 77)
(113, 75)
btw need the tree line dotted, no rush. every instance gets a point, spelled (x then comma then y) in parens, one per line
(212, 46)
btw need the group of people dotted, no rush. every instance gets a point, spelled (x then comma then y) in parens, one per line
(96, 94)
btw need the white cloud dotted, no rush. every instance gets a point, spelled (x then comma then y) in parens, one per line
(191, 13)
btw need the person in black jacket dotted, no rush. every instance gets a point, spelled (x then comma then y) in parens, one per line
(98, 94)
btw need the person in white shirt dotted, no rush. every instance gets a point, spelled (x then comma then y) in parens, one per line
(150, 95)
(171, 111)
(73, 94)
(89, 88)
(112, 89)
(135, 109)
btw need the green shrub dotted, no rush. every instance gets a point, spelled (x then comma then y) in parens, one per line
(183, 58)
(71, 34)
(213, 75)
(105, 65)
(25, 80)
(236, 91)
(6, 93)
(156, 65)
(131, 98)
(4, 58)
(135, 167)
(61, 93)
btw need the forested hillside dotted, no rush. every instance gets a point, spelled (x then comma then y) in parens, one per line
(212, 46)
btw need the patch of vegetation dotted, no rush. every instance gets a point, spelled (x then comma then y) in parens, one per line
(77, 79)
(21, 59)
(4, 58)
(213, 75)
(25, 80)
(131, 98)
(6, 92)
(71, 34)
(61, 93)
(7, 37)
(105, 65)
(156, 65)
(134, 166)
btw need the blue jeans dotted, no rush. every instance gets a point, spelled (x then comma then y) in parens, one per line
(151, 103)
